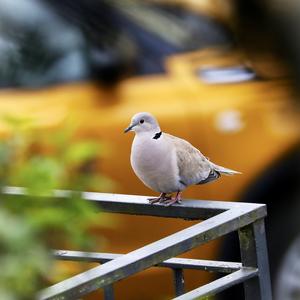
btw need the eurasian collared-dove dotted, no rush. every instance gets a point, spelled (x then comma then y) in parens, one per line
(168, 164)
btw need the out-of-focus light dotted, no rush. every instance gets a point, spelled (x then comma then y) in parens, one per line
(213, 75)
(229, 121)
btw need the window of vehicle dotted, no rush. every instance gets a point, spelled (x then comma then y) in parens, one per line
(232, 74)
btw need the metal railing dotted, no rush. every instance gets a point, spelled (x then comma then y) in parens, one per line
(220, 218)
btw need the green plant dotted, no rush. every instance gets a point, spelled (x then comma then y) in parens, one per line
(29, 225)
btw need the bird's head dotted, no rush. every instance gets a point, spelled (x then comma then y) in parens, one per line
(143, 122)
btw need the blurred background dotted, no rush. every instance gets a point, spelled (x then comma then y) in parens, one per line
(223, 74)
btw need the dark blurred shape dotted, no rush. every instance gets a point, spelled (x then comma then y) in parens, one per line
(37, 47)
(161, 30)
(47, 42)
(271, 27)
(110, 52)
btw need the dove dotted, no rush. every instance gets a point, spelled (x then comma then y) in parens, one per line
(168, 164)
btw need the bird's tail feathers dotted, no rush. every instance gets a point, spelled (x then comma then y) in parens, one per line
(225, 171)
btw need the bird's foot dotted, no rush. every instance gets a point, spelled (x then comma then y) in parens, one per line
(173, 200)
(161, 199)
(165, 198)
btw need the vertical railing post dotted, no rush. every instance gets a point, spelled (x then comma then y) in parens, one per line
(178, 281)
(109, 292)
(254, 253)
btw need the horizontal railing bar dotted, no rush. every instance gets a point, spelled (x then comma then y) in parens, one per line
(139, 205)
(220, 284)
(153, 253)
(174, 263)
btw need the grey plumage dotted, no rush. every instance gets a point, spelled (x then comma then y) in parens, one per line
(168, 164)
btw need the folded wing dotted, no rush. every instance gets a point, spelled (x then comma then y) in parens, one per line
(193, 166)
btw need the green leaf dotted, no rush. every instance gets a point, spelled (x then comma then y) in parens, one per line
(40, 175)
(80, 152)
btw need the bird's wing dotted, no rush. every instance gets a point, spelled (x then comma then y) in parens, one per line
(194, 167)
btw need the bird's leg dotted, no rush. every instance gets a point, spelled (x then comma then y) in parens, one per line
(176, 199)
(162, 197)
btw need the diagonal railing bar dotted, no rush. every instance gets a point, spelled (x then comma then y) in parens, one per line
(174, 263)
(153, 253)
(220, 284)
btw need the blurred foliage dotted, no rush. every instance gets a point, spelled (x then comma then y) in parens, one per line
(30, 225)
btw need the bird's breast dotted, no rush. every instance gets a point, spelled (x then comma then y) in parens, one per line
(149, 155)
(154, 162)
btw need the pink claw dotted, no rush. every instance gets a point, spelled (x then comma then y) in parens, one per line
(176, 199)
(162, 198)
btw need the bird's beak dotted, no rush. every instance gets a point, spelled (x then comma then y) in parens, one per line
(129, 128)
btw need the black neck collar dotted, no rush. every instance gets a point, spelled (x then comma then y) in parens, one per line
(157, 135)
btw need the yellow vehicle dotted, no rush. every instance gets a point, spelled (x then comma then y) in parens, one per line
(215, 99)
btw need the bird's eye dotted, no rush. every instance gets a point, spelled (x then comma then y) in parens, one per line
(142, 121)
